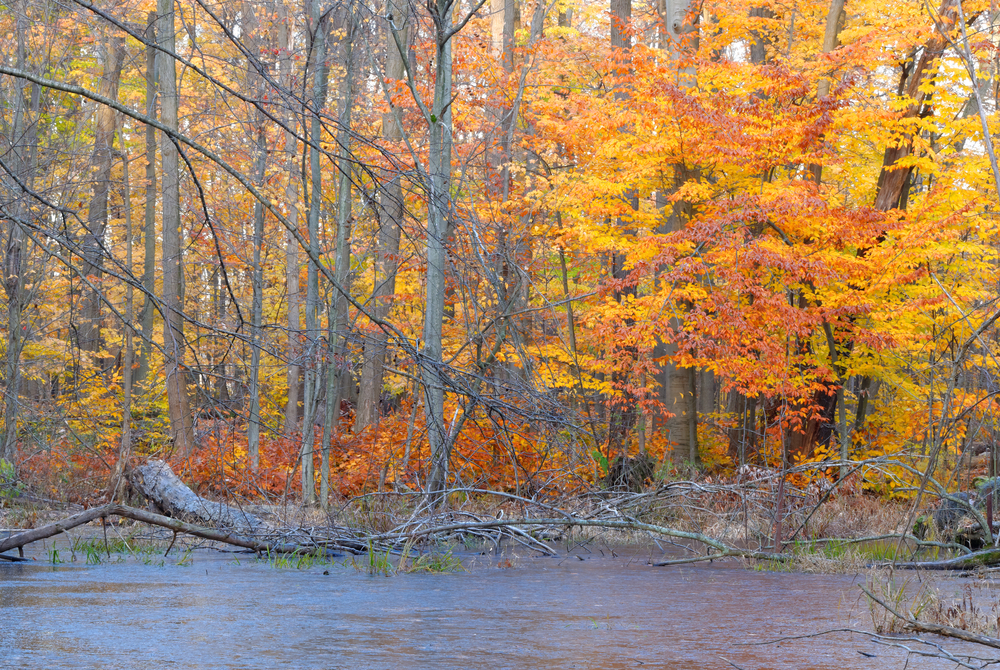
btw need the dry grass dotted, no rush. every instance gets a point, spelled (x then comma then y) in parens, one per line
(977, 610)
(857, 516)
(853, 561)
(907, 596)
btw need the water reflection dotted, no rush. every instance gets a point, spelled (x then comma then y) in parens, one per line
(599, 613)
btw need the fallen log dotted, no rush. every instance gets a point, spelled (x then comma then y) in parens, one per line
(977, 559)
(157, 482)
(20, 540)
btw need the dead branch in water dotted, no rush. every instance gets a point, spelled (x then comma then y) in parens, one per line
(936, 629)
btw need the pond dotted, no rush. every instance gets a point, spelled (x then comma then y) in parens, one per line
(609, 610)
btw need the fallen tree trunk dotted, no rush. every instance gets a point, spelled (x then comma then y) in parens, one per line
(157, 482)
(976, 559)
(20, 540)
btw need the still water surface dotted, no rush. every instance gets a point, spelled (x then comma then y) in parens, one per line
(603, 612)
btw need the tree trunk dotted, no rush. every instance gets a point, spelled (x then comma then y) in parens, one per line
(623, 407)
(438, 213)
(338, 370)
(113, 51)
(893, 181)
(320, 73)
(25, 130)
(390, 222)
(115, 486)
(292, 287)
(181, 425)
(253, 429)
(149, 224)
(157, 482)
(256, 84)
(679, 384)
(502, 27)
(834, 23)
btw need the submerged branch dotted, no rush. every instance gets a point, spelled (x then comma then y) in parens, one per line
(936, 629)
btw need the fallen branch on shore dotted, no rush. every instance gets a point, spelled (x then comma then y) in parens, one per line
(718, 549)
(20, 540)
(722, 549)
(976, 559)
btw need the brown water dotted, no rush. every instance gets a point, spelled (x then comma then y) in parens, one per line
(602, 612)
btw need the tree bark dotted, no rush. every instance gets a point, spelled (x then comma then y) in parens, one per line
(834, 23)
(113, 51)
(157, 482)
(116, 483)
(338, 370)
(438, 212)
(181, 425)
(893, 181)
(390, 221)
(149, 224)
(320, 28)
(623, 406)
(25, 132)
(679, 383)
(256, 85)
(253, 428)
(34, 535)
(292, 286)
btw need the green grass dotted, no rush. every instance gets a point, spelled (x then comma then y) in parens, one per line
(304, 561)
(436, 562)
(811, 556)
(379, 562)
(97, 550)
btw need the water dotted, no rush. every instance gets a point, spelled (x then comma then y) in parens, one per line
(603, 612)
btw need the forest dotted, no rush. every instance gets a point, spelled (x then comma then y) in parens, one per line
(534, 247)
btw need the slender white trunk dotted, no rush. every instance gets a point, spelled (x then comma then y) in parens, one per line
(320, 74)
(438, 212)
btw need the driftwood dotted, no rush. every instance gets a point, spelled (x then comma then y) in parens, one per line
(165, 490)
(34, 535)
